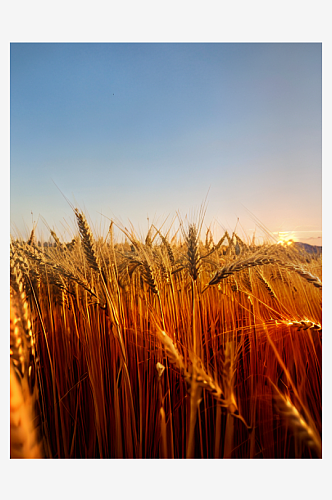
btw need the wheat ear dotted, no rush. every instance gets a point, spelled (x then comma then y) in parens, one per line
(172, 352)
(314, 280)
(255, 260)
(259, 260)
(198, 376)
(87, 241)
(32, 239)
(24, 439)
(302, 430)
(192, 256)
(58, 242)
(304, 324)
(168, 247)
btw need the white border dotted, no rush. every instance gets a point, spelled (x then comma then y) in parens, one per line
(237, 21)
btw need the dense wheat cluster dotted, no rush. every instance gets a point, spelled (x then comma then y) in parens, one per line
(180, 347)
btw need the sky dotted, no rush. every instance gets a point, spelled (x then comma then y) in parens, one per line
(141, 132)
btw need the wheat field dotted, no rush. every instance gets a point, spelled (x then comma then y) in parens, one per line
(165, 347)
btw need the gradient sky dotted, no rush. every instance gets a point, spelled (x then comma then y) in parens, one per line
(145, 130)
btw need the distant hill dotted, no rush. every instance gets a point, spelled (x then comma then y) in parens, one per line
(316, 249)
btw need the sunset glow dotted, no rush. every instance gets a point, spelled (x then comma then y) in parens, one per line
(286, 238)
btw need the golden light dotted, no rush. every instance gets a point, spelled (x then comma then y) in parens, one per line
(286, 238)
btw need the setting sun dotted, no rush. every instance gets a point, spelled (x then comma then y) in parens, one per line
(286, 238)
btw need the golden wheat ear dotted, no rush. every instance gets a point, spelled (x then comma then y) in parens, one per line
(24, 437)
(289, 413)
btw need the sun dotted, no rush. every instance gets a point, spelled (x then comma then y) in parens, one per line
(286, 238)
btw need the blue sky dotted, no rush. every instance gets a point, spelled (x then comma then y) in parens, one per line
(145, 130)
